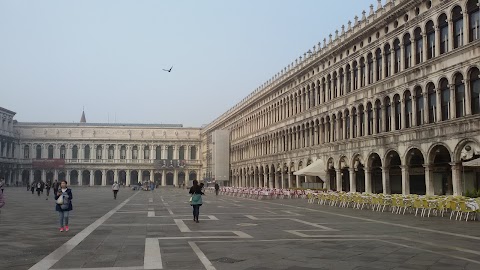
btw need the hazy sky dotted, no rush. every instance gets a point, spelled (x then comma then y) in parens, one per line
(108, 56)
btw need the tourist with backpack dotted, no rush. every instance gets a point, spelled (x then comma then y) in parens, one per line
(63, 199)
(39, 188)
(115, 188)
(196, 199)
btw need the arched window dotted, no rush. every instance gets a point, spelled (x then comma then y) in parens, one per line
(408, 109)
(347, 125)
(362, 72)
(407, 49)
(475, 90)
(328, 129)
(430, 30)
(355, 75)
(349, 78)
(370, 68)
(459, 96)
(379, 60)
(388, 60)
(99, 152)
(397, 55)
(369, 119)
(443, 31)
(329, 85)
(193, 152)
(342, 82)
(419, 104)
(378, 114)
(158, 153)
(111, 152)
(398, 112)
(457, 19)
(432, 103)
(135, 152)
(87, 152)
(123, 152)
(340, 126)
(26, 151)
(334, 128)
(75, 152)
(335, 90)
(445, 96)
(361, 114)
(418, 45)
(354, 123)
(324, 90)
(63, 152)
(388, 114)
(146, 152)
(38, 154)
(473, 20)
(50, 152)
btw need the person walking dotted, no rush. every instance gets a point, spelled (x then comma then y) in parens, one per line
(115, 188)
(2, 200)
(55, 186)
(39, 188)
(2, 183)
(63, 199)
(48, 185)
(217, 188)
(196, 199)
(32, 187)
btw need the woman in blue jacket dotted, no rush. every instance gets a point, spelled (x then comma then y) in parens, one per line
(65, 206)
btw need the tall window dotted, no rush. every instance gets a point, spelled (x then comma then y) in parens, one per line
(99, 152)
(388, 60)
(388, 114)
(457, 19)
(135, 152)
(408, 109)
(158, 152)
(459, 96)
(181, 152)
(475, 90)
(335, 90)
(123, 152)
(111, 152)
(355, 75)
(396, 51)
(38, 154)
(473, 20)
(170, 153)
(378, 114)
(354, 122)
(75, 152)
(369, 119)
(329, 85)
(342, 82)
(432, 103)
(445, 102)
(370, 68)
(146, 152)
(50, 152)
(26, 151)
(193, 152)
(443, 30)
(63, 152)
(361, 114)
(347, 125)
(407, 48)
(419, 104)
(379, 59)
(430, 40)
(362, 72)
(398, 112)
(418, 46)
(87, 152)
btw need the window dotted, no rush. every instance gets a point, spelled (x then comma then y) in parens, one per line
(354, 122)
(388, 60)
(329, 85)
(418, 46)
(430, 40)
(432, 103)
(362, 72)
(50, 152)
(445, 99)
(26, 151)
(158, 152)
(378, 114)
(388, 114)
(135, 152)
(63, 152)
(473, 20)
(408, 109)
(459, 96)
(193, 152)
(170, 153)
(457, 19)
(396, 49)
(355, 75)
(369, 119)
(146, 152)
(75, 152)
(398, 112)
(342, 83)
(335, 90)
(181, 152)
(123, 152)
(347, 125)
(443, 30)
(349, 79)
(379, 71)
(475, 90)
(87, 152)
(370, 68)
(111, 152)
(419, 104)
(407, 43)
(361, 113)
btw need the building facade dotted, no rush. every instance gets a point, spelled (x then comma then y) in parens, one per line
(100, 154)
(8, 144)
(389, 103)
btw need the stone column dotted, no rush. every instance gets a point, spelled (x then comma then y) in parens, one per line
(129, 178)
(425, 47)
(414, 51)
(289, 185)
(402, 57)
(282, 179)
(297, 181)
(405, 180)
(339, 179)
(92, 178)
(468, 98)
(414, 110)
(352, 79)
(152, 179)
(386, 180)
(437, 41)
(164, 178)
(140, 176)
(270, 181)
(392, 60)
(104, 177)
(429, 180)
(353, 182)
(453, 105)
(80, 177)
(55, 175)
(465, 27)
(457, 179)
(175, 178)
(44, 175)
(374, 67)
(438, 105)
(368, 180)
(451, 38)
(115, 176)
(265, 179)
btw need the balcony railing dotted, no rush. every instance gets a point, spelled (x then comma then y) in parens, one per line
(157, 162)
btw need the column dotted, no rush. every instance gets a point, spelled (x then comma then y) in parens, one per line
(152, 151)
(265, 180)
(438, 106)
(352, 80)
(429, 180)
(279, 181)
(386, 180)
(425, 47)
(187, 178)
(384, 118)
(80, 177)
(140, 176)
(456, 179)
(175, 177)
(339, 179)
(414, 51)
(289, 185)
(297, 181)
(164, 151)
(129, 178)
(414, 109)
(104, 177)
(465, 28)
(353, 182)
(392, 60)
(453, 106)
(270, 181)
(437, 41)
(115, 176)
(374, 67)
(451, 38)
(55, 175)
(152, 176)
(402, 57)
(405, 180)
(164, 178)
(44, 175)
(368, 180)
(92, 178)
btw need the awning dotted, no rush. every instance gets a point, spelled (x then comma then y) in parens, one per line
(317, 168)
(472, 163)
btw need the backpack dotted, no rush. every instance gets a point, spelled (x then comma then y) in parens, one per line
(39, 185)
(66, 201)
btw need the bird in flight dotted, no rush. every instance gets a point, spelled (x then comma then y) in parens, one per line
(168, 70)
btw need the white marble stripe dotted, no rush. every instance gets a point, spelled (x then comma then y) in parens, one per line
(205, 261)
(152, 258)
(137, 225)
(151, 213)
(51, 259)
(105, 268)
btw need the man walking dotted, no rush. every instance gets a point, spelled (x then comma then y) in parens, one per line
(217, 188)
(115, 188)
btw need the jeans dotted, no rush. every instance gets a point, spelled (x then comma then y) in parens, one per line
(115, 194)
(196, 211)
(63, 216)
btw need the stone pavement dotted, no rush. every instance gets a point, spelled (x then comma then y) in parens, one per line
(155, 230)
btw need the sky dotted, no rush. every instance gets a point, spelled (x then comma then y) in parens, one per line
(107, 56)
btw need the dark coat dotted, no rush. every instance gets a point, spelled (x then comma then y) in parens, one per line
(70, 206)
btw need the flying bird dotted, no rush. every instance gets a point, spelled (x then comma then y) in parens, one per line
(168, 70)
